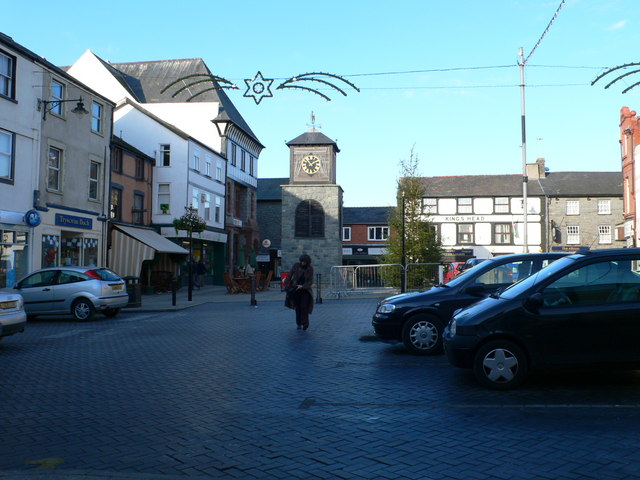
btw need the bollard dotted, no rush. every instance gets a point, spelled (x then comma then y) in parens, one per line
(253, 290)
(174, 290)
(319, 288)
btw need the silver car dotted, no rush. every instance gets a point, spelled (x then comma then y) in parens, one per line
(79, 291)
(12, 315)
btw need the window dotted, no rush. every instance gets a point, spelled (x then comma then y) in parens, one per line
(7, 142)
(430, 206)
(96, 117)
(115, 207)
(309, 219)
(196, 159)
(465, 205)
(573, 235)
(54, 167)
(218, 212)
(506, 274)
(207, 206)
(164, 197)
(138, 209)
(116, 160)
(465, 233)
(90, 252)
(597, 283)
(604, 234)
(604, 207)
(139, 168)
(233, 154)
(502, 234)
(573, 207)
(94, 179)
(195, 199)
(346, 234)
(243, 161)
(57, 95)
(252, 165)
(165, 155)
(207, 165)
(50, 249)
(378, 233)
(501, 205)
(219, 171)
(7, 75)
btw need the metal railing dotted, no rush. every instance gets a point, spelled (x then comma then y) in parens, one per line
(349, 280)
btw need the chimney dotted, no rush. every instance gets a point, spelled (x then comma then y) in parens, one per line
(536, 170)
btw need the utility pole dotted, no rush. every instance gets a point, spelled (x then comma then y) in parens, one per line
(525, 179)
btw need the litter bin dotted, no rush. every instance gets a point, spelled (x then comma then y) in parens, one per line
(134, 291)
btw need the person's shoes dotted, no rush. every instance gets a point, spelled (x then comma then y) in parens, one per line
(299, 327)
(304, 327)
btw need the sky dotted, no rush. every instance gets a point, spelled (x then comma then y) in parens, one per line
(439, 79)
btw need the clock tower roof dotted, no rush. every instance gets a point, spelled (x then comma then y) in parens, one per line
(313, 138)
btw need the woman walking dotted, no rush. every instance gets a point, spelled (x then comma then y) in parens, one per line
(299, 293)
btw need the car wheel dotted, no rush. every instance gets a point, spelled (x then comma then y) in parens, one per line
(111, 312)
(82, 309)
(422, 335)
(500, 364)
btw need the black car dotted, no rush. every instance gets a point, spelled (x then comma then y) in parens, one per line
(581, 310)
(418, 319)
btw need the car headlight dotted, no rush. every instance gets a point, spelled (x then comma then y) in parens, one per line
(452, 327)
(386, 308)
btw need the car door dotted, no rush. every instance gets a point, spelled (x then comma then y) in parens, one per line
(68, 285)
(502, 275)
(37, 292)
(575, 324)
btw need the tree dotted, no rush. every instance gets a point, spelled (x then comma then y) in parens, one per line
(191, 222)
(421, 243)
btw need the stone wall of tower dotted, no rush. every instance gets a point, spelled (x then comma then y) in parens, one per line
(326, 251)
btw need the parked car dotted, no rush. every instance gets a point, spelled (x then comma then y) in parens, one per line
(78, 291)
(472, 262)
(581, 310)
(451, 271)
(418, 319)
(12, 316)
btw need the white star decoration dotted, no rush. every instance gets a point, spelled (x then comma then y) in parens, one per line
(258, 87)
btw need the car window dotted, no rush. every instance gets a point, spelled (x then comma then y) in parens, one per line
(106, 274)
(506, 273)
(68, 276)
(597, 283)
(39, 279)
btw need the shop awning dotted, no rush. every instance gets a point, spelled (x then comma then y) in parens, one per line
(130, 246)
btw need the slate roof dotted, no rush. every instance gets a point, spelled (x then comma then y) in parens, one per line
(313, 138)
(146, 80)
(11, 43)
(269, 188)
(566, 184)
(365, 215)
(582, 184)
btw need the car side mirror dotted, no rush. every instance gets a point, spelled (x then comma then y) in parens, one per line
(534, 302)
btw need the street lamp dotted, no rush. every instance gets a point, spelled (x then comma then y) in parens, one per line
(48, 105)
(222, 123)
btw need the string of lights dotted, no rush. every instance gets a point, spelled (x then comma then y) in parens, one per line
(546, 30)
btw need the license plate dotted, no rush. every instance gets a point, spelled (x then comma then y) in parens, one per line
(116, 287)
(9, 304)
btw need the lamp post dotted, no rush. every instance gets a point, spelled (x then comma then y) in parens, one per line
(48, 105)
(222, 123)
(403, 280)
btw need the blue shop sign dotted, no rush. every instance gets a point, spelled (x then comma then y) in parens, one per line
(32, 218)
(73, 221)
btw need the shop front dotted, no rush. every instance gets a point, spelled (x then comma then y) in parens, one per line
(15, 228)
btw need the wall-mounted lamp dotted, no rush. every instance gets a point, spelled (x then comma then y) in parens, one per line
(48, 105)
(222, 123)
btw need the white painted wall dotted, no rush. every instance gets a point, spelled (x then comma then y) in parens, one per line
(91, 71)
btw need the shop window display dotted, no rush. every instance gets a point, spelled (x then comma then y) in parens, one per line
(70, 249)
(13, 257)
(50, 249)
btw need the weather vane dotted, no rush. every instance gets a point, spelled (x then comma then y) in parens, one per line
(259, 87)
(314, 127)
(620, 75)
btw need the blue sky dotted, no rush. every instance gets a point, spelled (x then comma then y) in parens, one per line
(459, 117)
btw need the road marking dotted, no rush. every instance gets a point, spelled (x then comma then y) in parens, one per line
(46, 463)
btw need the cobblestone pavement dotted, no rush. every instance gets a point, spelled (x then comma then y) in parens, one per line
(231, 391)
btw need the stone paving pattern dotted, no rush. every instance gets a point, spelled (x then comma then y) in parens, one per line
(230, 391)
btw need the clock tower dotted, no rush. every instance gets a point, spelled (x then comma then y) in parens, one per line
(312, 205)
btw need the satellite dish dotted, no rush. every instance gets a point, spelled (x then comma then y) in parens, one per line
(266, 243)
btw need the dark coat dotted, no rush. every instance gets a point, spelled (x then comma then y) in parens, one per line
(295, 275)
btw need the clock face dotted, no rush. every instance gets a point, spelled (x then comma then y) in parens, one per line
(311, 164)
